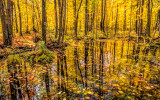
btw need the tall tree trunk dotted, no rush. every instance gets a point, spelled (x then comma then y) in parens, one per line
(27, 31)
(148, 27)
(10, 21)
(93, 19)
(20, 19)
(15, 15)
(141, 18)
(76, 12)
(60, 3)
(44, 20)
(86, 18)
(159, 21)
(130, 21)
(103, 10)
(4, 23)
(64, 20)
(33, 17)
(136, 24)
(116, 23)
(102, 13)
(124, 25)
(56, 18)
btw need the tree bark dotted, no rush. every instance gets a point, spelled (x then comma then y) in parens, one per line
(116, 23)
(148, 27)
(44, 20)
(60, 4)
(4, 23)
(15, 15)
(86, 18)
(56, 18)
(20, 19)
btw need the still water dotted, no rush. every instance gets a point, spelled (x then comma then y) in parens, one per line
(90, 70)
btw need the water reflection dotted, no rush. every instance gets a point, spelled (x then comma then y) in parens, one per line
(105, 69)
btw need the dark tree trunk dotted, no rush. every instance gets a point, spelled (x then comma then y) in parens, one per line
(47, 84)
(60, 4)
(44, 20)
(116, 23)
(159, 21)
(86, 62)
(4, 23)
(56, 18)
(64, 20)
(124, 25)
(20, 19)
(148, 27)
(136, 24)
(86, 18)
(10, 21)
(15, 15)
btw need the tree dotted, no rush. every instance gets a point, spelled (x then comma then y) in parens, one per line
(148, 26)
(56, 18)
(86, 18)
(44, 20)
(20, 19)
(7, 20)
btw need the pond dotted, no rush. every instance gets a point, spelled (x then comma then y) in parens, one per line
(90, 70)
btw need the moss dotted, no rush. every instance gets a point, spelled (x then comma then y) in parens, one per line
(41, 55)
(14, 59)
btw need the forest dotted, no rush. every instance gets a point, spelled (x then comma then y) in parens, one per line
(79, 49)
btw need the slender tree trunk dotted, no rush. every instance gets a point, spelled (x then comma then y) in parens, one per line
(56, 18)
(44, 20)
(20, 19)
(141, 18)
(76, 12)
(148, 27)
(15, 15)
(124, 25)
(64, 20)
(93, 19)
(33, 17)
(136, 24)
(130, 21)
(39, 14)
(60, 3)
(86, 63)
(27, 31)
(86, 17)
(116, 23)
(159, 21)
(102, 14)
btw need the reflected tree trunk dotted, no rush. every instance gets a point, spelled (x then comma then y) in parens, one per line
(86, 44)
(46, 75)
(101, 63)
